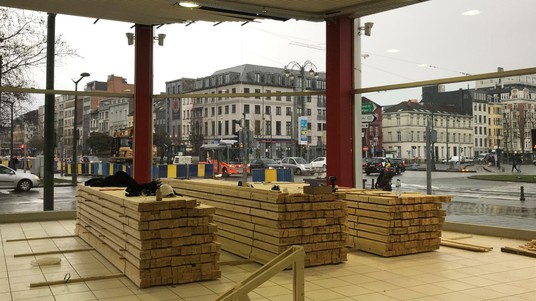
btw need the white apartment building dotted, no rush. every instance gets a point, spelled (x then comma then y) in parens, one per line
(404, 127)
(270, 118)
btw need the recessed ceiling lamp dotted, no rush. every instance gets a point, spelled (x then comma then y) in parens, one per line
(393, 50)
(188, 4)
(472, 12)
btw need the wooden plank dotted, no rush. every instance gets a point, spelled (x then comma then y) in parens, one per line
(518, 251)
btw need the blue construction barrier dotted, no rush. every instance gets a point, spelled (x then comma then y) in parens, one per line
(158, 171)
(272, 175)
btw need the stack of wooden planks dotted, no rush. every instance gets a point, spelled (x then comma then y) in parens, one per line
(259, 223)
(384, 224)
(152, 243)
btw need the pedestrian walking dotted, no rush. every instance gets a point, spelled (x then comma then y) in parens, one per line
(514, 162)
(519, 161)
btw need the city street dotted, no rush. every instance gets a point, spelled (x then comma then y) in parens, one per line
(474, 201)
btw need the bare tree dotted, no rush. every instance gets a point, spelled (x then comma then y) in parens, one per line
(23, 43)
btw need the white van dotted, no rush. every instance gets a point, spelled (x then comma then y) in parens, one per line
(457, 159)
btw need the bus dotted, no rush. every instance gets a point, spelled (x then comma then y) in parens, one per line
(225, 156)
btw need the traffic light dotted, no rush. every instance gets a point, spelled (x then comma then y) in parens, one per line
(22, 146)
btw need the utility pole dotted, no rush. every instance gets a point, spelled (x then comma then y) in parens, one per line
(428, 159)
(245, 145)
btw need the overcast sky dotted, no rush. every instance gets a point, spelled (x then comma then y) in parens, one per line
(435, 33)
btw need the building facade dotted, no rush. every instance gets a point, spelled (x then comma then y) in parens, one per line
(404, 128)
(270, 118)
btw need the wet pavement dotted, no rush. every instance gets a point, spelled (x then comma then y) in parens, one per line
(489, 203)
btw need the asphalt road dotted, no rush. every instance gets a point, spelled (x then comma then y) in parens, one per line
(474, 201)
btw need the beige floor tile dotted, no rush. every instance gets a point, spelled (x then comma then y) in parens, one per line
(352, 290)
(374, 297)
(218, 287)
(403, 294)
(509, 289)
(455, 296)
(322, 295)
(455, 285)
(78, 296)
(272, 291)
(62, 289)
(191, 290)
(202, 298)
(330, 282)
(105, 284)
(112, 293)
(5, 296)
(379, 286)
(484, 293)
(156, 295)
(40, 292)
(121, 298)
(404, 281)
(430, 289)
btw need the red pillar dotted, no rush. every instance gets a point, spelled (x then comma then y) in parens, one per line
(143, 108)
(339, 99)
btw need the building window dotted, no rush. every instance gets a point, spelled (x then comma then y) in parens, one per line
(226, 110)
(268, 125)
(277, 110)
(257, 91)
(268, 110)
(233, 109)
(257, 109)
(257, 127)
(288, 129)
(246, 90)
(289, 111)
(278, 128)
(246, 109)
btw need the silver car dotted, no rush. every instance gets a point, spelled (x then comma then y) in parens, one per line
(298, 165)
(20, 180)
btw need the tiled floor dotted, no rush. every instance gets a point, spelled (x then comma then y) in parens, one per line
(446, 274)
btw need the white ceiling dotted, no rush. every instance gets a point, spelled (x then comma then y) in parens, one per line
(154, 12)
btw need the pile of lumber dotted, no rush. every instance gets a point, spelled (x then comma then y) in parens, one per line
(258, 223)
(153, 243)
(381, 223)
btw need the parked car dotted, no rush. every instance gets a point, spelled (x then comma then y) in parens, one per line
(319, 163)
(264, 163)
(374, 164)
(482, 158)
(19, 180)
(398, 164)
(298, 165)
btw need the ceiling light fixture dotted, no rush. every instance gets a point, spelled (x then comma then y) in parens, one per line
(188, 4)
(393, 50)
(472, 12)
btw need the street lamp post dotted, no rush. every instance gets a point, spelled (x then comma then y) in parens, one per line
(271, 135)
(74, 170)
(288, 72)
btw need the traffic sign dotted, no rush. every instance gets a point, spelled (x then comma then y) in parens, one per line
(367, 107)
(365, 148)
(367, 118)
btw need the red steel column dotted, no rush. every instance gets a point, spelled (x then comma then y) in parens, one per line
(143, 108)
(339, 99)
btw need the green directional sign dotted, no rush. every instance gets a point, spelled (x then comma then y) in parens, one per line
(367, 108)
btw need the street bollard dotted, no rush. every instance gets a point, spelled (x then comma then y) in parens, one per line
(364, 182)
(372, 186)
(522, 196)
